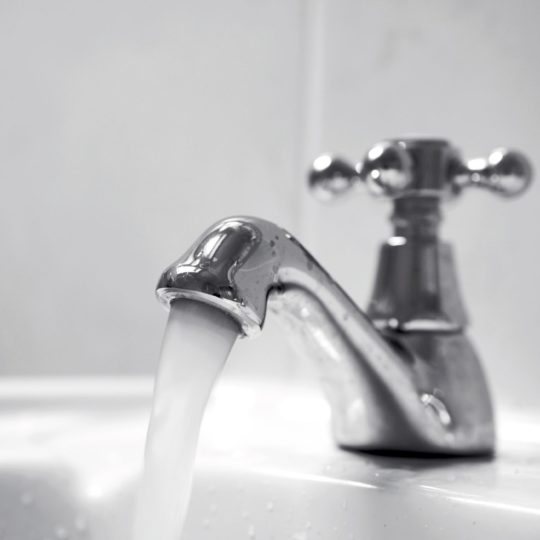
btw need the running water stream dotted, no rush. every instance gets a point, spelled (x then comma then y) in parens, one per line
(197, 342)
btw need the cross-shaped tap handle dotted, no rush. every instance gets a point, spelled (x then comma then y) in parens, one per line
(421, 167)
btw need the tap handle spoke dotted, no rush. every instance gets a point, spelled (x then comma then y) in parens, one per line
(331, 177)
(386, 170)
(507, 173)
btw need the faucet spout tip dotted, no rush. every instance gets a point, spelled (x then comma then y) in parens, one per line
(209, 272)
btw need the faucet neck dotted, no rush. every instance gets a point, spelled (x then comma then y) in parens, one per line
(417, 217)
(420, 393)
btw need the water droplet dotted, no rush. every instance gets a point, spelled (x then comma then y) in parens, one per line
(272, 243)
(251, 532)
(206, 523)
(213, 508)
(270, 506)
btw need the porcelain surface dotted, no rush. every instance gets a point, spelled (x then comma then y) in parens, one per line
(267, 468)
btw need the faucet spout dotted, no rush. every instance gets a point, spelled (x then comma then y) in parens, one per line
(381, 393)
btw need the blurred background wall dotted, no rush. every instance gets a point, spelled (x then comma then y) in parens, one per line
(128, 127)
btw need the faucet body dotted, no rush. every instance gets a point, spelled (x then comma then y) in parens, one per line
(402, 377)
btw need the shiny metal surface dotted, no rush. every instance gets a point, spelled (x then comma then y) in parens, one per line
(505, 172)
(404, 377)
(386, 170)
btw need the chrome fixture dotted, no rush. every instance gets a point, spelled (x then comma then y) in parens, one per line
(403, 377)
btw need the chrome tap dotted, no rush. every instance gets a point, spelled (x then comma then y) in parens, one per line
(402, 377)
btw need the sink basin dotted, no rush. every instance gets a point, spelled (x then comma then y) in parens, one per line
(267, 468)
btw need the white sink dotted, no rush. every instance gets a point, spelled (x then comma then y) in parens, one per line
(267, 468)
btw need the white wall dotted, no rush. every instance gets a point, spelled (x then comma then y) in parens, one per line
(128, 127)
